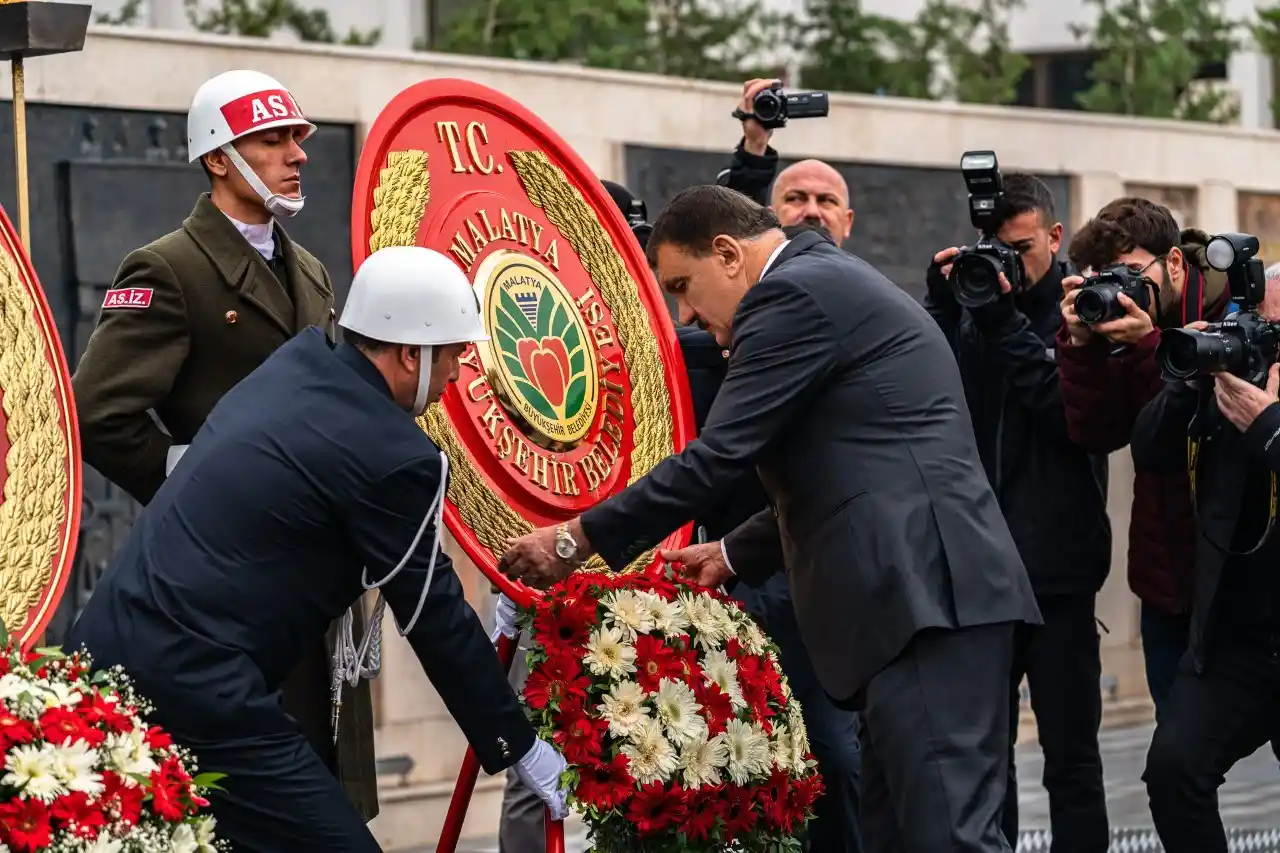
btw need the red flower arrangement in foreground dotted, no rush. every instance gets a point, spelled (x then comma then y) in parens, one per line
(80, 772)
(668, 704)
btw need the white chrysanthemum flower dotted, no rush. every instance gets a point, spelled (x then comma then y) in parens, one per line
(701, 761)
(58, 694)
(128, 754)
(105, 844)
(651, 756)
(183, 840)
(723, 673)
(668, 616)
(678, 711)
(751, 637)
(748, 751)
(795, 721)
(626, 611)
(781, 748)
(204, 834)
(13, 686)
(706, 622)
(608, 654)
(31, 768)
(786, 685)
(722, 616)
(74, 765)
(623, 708)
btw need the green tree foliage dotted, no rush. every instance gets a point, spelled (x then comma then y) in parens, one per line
(1150, 52)
(129, 14)
(1266, 33)
(263, 18)
(687, 38)
(952, 49)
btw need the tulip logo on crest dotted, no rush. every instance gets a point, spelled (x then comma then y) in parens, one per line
(540, 355)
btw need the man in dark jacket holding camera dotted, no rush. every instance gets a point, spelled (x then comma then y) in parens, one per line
(1223, 429)
(1109, 372)
(1053, 494)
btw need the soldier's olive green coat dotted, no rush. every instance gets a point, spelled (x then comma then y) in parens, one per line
(216, 312)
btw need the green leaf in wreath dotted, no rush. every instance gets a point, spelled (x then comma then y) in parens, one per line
(511, 318)
(209, 780)
(546, 307)
(534, 397)
(574, 396)
(514, 367)
(572, 340)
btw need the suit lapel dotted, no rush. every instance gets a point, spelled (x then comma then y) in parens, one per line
(311, 297)
(241, 267)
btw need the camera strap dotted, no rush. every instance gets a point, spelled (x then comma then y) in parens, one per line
(1192, 295)
(1193, 460)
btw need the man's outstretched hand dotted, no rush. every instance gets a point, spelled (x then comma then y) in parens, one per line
(701, 564)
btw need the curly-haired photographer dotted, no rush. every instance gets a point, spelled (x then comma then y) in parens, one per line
(1109, 373)
(1219, 419)
(1052, 493)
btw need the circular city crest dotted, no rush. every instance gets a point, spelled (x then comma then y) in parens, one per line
(40, 474)
(581, 388)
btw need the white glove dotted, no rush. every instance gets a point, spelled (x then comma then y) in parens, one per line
(540, 771)
(505, 614)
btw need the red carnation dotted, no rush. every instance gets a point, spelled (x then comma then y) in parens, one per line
(97, 709)
(716, 706)
(554, 680)
(702, 812)
(774, 798)
(653, 809)
(14, 731)
(75, 813)
(605, 786)
(805, 792)
(735, 806)
(565, 622)
(581, 739)
(157, 738)
(733, 649)
(4, 661)
(121, 802)
(26, 824)
(655, 660)
(692, 673)
(169, 785)
(60, 725)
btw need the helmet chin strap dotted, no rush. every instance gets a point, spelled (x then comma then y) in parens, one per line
(424, 382)
(276, 204)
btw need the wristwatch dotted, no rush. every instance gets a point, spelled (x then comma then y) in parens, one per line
(566, 545)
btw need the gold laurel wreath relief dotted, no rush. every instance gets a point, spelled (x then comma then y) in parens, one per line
(399, 203)
(35, 490)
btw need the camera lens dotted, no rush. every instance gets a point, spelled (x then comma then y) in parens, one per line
(1184, 353)
(1098, 303)
(767, 105)
(975, 280)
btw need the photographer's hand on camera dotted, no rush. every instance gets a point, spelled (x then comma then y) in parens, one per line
(754, 164)
(1242, 403)
(755, 137)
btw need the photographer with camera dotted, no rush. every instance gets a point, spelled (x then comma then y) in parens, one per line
(998, 304)
(1148, 276)
(808, 192)
(1217, 419)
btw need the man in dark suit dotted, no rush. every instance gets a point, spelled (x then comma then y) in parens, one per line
(845, 396)
(309, 483)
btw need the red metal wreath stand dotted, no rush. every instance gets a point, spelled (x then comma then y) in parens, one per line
(523, 597)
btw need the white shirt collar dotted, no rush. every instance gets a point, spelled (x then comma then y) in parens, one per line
(773, 257)
(261, 237)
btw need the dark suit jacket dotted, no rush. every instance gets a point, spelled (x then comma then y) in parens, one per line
(304, 475)
(845, 396)
(216, 312)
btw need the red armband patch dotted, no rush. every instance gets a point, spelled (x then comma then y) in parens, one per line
(128, 297)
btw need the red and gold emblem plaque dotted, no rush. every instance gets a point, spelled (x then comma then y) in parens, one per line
(581, 389)
(39, 448)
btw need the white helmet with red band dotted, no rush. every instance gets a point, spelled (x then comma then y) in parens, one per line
(235, 104)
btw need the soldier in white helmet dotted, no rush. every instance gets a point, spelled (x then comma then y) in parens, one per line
(192, 314)
(310, 483)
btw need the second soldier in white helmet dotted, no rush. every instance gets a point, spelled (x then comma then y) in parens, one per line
(193, 313)
(309, 484)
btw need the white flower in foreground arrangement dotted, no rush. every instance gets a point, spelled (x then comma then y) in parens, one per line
(723, 673)
(73, 764)
(709, 624)
(204, 834)
(795, 721)
(751, 637)
(31, 769)
(58, 694)
(678, 711)
(627, 613)
(652, 758)
(701, 760)
(608, 654)
(668, 616)
(128, 754)
(623, 708)
(748, 751)
(183, 840)
(13, 686)
(105, 844)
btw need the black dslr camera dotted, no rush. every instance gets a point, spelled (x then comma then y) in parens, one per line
(1244, 344)
(772, 107)
(1099, 299)
(975, 273)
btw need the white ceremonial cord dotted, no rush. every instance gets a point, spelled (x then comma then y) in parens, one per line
(352, 663)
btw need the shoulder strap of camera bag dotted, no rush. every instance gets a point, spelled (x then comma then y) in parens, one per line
(1194, 437)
